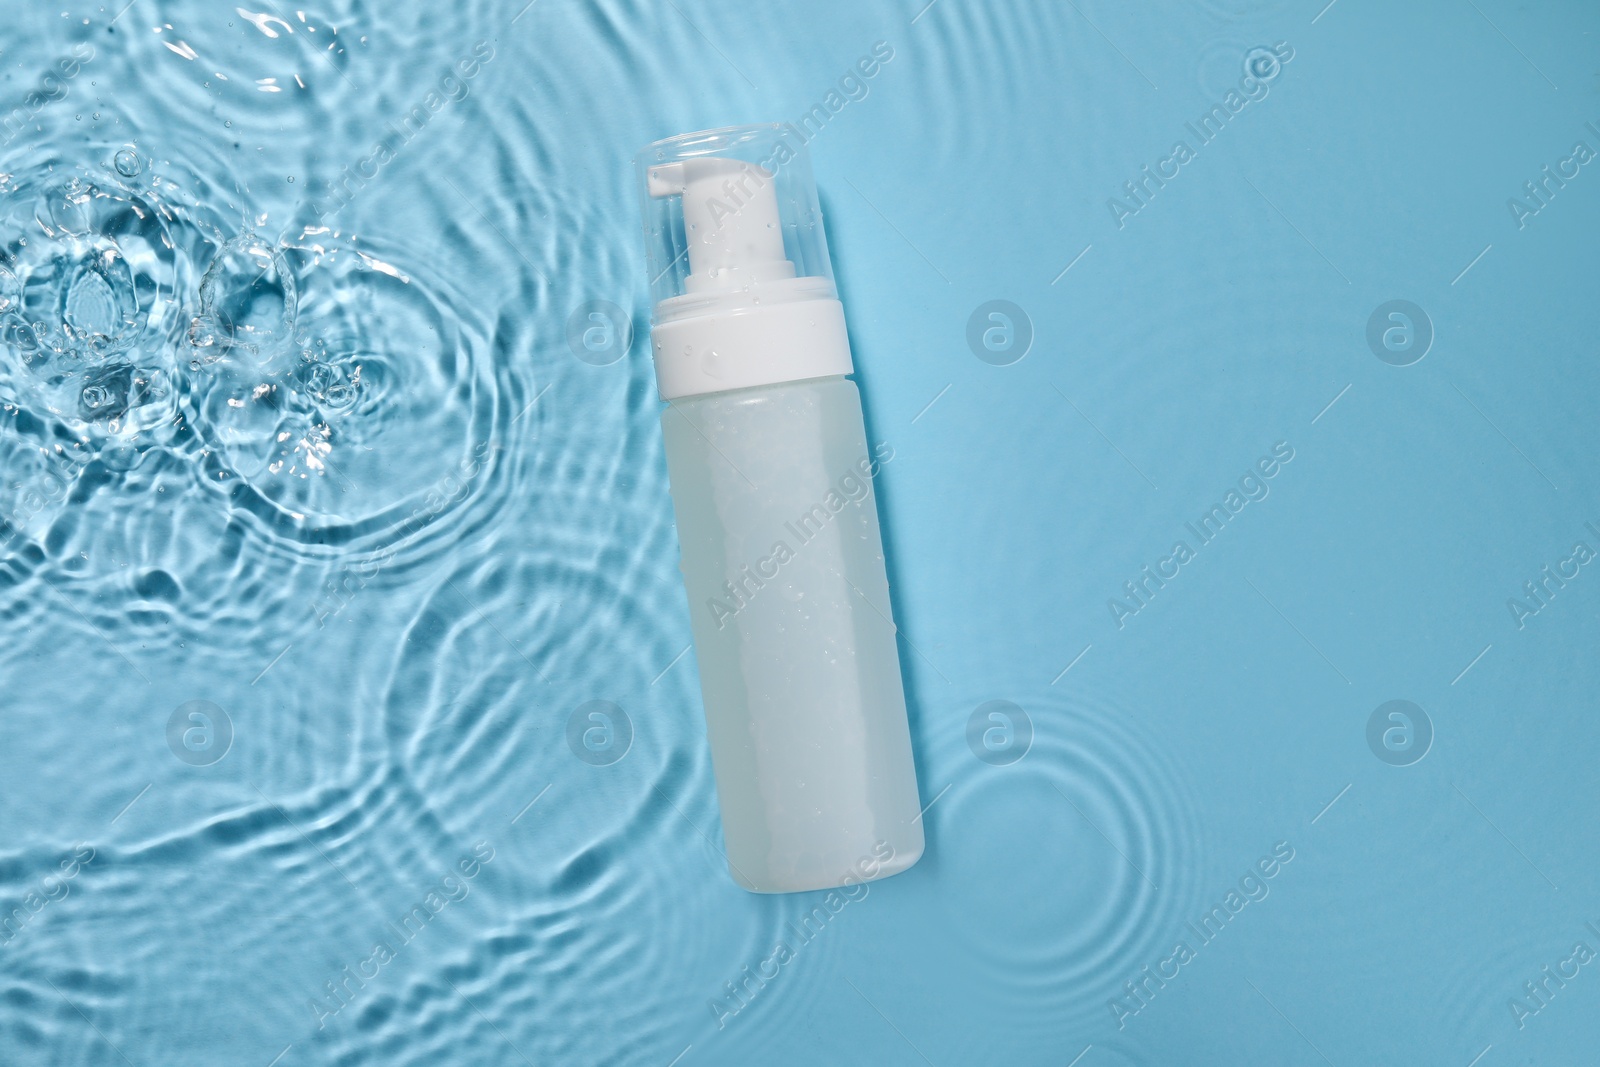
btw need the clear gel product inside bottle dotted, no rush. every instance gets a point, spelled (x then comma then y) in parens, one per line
(773, 488)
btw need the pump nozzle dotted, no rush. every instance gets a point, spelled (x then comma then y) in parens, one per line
(738, 263)
(730, 219)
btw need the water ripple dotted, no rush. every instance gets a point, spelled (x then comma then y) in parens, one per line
(1111, 869)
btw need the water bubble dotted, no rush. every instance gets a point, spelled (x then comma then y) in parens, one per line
(91, 296)
(19, 335)
(355, 403)
(108, 393)
(334, 386)
(128, 163)
(247, 301)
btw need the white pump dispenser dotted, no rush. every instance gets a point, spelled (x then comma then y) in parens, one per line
(729, 245)
(772, 488)
(742, 315)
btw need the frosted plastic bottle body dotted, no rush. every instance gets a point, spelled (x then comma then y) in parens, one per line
(783, 564)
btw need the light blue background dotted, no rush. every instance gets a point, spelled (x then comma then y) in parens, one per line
(1229, 715)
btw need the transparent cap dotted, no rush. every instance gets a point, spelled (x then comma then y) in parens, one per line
(731, 218)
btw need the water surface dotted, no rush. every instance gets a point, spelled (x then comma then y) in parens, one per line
(349, 712)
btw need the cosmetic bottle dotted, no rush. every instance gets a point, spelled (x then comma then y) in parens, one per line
(772, 482)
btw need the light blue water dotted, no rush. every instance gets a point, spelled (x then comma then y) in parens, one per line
(324, 532)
